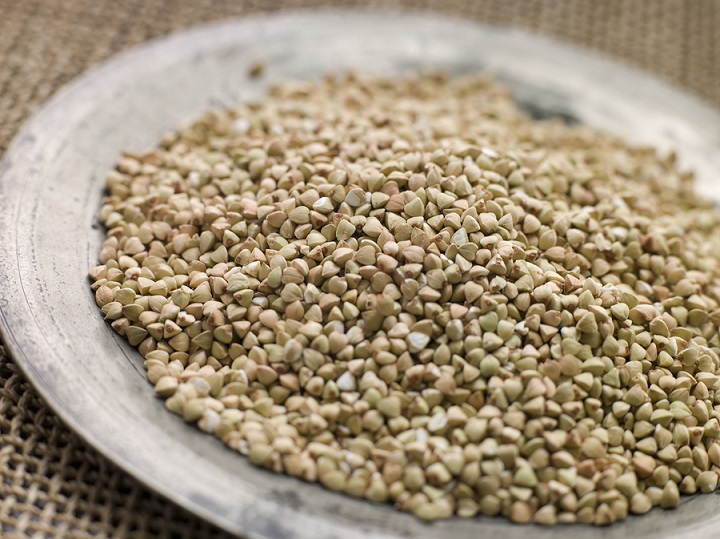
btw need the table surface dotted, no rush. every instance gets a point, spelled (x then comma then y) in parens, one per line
(53, 484)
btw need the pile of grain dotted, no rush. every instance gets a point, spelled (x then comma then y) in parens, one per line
(410, 292)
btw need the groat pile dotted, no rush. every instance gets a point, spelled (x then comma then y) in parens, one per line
(408, 291)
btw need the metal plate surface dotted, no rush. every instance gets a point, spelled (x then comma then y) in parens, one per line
(51, 185)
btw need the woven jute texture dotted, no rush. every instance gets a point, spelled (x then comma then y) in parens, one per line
(53, 485)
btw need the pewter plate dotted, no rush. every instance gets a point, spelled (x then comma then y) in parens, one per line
(51, 184)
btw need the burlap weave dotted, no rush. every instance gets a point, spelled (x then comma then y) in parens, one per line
(52, 485)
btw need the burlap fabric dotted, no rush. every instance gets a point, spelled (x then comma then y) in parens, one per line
(53, 485)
